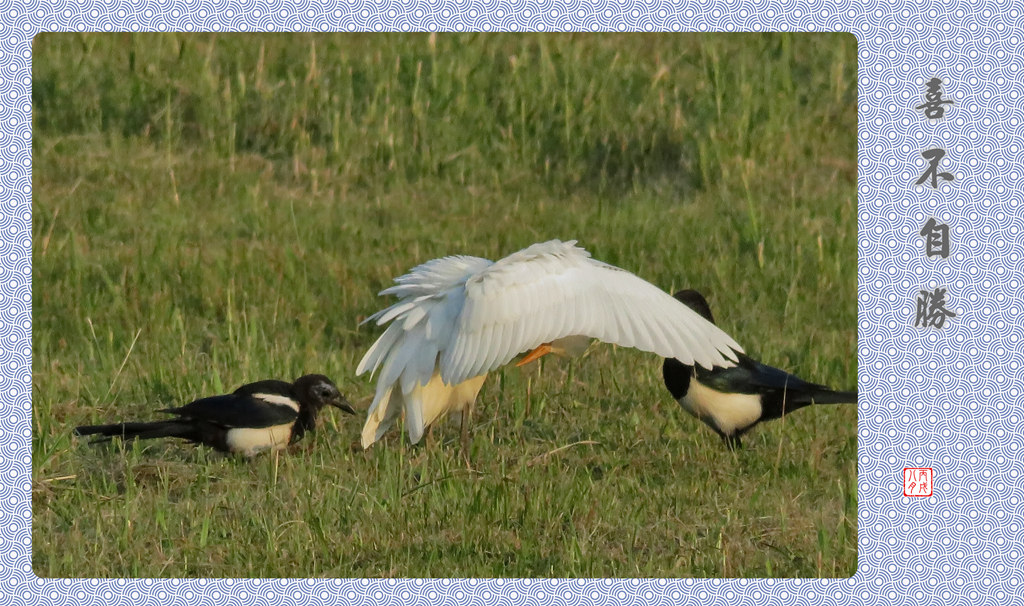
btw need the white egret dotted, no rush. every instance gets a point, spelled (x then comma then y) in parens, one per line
(460, 317)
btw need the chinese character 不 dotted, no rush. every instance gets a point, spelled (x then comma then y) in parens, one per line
(932, 105)
(933, 156)
(936, 237)
(931, 310)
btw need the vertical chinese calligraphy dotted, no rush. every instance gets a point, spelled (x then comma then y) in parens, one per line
(933, 109)
(931, 304)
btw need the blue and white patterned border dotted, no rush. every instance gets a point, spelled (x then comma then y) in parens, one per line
(941, 399)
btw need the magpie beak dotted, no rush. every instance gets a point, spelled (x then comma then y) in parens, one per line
(732, 400)
(266, 415)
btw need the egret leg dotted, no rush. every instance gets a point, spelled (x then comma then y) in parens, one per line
(467, 413)
(542, 350)
(430, 436)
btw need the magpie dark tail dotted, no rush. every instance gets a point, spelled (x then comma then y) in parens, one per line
(827, 396)
(142, 431)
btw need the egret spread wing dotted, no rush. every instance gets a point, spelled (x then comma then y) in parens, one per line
(458, 318)
(553, 290)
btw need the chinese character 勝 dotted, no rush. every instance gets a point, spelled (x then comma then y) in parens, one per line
(931, 310)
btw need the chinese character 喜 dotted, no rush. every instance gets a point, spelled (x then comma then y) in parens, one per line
(931, 309)
(933, 100)
(936, 237)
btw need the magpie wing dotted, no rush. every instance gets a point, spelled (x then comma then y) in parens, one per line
(270, 386)
(235, 410)
(750, 377)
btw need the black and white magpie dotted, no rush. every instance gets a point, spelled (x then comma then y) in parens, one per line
(732, 400)
(265, 415)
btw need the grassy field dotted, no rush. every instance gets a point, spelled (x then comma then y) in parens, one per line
(212, 210)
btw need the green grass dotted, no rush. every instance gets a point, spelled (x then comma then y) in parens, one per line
(212, 210)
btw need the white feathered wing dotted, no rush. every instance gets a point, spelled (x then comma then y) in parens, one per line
(460, 317)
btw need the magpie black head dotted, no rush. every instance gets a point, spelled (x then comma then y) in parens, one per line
(695, 301)
(319, 391)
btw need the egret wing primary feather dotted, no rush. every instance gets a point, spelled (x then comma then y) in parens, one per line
(460, 317)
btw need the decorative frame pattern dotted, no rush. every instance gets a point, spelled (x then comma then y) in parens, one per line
(943, 399)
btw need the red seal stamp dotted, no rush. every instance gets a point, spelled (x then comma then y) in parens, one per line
(917, 481)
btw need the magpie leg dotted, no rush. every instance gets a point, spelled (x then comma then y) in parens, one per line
(732, 442)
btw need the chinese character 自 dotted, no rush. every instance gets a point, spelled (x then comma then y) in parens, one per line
(933, 156)
(936, 237)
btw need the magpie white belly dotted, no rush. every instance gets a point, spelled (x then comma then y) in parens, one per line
(250, 441)
(727, 412)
